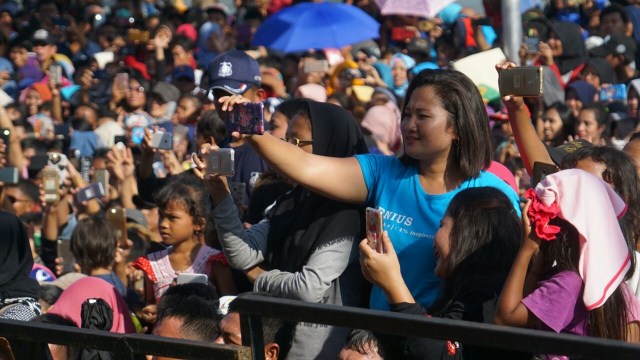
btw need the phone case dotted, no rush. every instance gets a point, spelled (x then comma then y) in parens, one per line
(532, 44)
(316, 66)
(51, 184)
(92, 191)
(118, 219)
(521, 81)
(59, 162)
(9, 175)
(426, 25)
(221, 162)
(246, 118)
(162, 140)
(540, 171)
(401, 34)
(186, 278)
(63, 249)
(102, 177)
(137, 135)
(55, 73)
(122, 81)
(374, 227)
(615, 92)
(85, 168)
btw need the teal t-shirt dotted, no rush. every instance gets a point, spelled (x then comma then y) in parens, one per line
(412, 218)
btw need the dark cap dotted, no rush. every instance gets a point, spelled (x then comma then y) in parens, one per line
(234, 72)
(183, 72)
(143, 204)
(617, 44)
(166, 92)
(136, 216)
(418, 46)
(559, 152)
(41, 37)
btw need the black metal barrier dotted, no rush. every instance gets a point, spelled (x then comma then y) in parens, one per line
(254, 307)
(123, 346)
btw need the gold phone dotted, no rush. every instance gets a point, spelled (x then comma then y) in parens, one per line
(540, 171)
(117, 217)
(521, 81)
(51, 184)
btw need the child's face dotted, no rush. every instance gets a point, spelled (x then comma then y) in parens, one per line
(175, 224)
(442, 245)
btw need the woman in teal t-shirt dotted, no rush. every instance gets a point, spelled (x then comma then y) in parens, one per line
(447, 145)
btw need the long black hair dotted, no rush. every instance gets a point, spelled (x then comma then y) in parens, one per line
(472, 151)
(484, 240)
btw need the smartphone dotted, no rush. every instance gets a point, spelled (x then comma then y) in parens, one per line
(399, 33)
(95, 190)
(102, 177)
(121, 81)
(221, 162)
(55, 73)
(481, 22)
(316, 66)
(162, 140)
(120, 139)
(521, 81)
(117, 217)
(238, 194)
(59, 162)
(540, 171)
(138, 36)
(186, 278)
(426, 25)
(63, 249)
(159, 170)
(615, 92)
(137, 135)
(84, 166)
(51, 184)
(247, 118)
(532, 44)
(9, 175)
(374, 228)
(5, 135)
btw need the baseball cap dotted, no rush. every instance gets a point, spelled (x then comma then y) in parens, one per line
(617, 44)
(559, 152)
(142, 203)
(166, 91)
(136, 216)
(41, 37)
(183, 72)
(234, 72)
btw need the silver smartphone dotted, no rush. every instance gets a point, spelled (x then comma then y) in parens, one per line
(162, 140)
(221, 162)
(186, 278)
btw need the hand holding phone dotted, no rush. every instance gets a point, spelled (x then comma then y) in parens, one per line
(95, 190)
(374, 228)
(162, 140)
(521, 81)
(246, 118)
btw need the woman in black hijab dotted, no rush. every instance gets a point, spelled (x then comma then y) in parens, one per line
(306, 248)
(567, 46)
(18, 292)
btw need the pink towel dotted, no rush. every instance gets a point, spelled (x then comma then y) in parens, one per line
(593, 208)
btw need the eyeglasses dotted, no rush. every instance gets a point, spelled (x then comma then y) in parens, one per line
(137, 89)
(12, 199)
(297, 142)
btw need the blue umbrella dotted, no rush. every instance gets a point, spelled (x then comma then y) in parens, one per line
(316, 26)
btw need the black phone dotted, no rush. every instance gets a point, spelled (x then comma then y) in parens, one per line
(481, 22)
(120, 139)
(9, 175)
(540, 171)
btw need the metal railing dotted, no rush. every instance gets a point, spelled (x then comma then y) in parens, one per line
(122, 346)
(253, 308)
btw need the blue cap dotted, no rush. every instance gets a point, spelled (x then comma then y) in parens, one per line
(183, 72)
(234, 72)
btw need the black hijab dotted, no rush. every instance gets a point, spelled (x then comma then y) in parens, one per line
(574, 53)
(290, 107)
(16, 260)
(302, 221)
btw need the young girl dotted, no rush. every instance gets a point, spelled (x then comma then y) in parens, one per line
(182, 210)
(475, 247)
(581, 263)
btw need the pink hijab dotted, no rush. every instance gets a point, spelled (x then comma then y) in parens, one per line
(383, 122)
(593, 208)
(69, 304)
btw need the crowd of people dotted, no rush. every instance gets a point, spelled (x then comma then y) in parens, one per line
(129, 204)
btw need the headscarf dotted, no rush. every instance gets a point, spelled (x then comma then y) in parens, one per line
(574, 52)
(584, 90)
(69, 305)
(593, 208)
(204, 54)
(383, 121)
(290, 107)
(16, 260)
(302, 221)
(347, 64)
